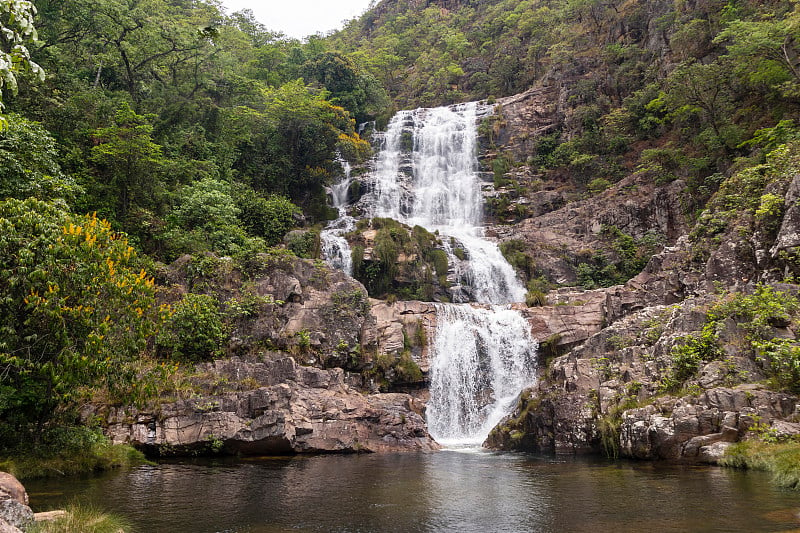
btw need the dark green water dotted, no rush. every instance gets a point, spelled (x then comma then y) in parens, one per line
(461, 491)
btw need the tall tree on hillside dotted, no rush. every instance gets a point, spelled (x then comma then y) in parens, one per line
(128, 162)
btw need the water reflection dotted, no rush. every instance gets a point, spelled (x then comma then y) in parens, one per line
(464, 491)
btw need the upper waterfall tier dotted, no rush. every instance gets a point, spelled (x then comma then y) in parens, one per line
(427, 174)
(427, 170)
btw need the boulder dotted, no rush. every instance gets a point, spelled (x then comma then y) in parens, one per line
(12, 489)
(5, 527)
(16, 514)
(691, 428)
(574, 316)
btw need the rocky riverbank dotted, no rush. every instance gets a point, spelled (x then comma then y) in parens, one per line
(15, 515)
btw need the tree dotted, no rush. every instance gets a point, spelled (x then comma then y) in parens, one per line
(205, 219)
(29, 163)
(76, 307)
(16, 27)
(357, 92)
(766, 51)
(289, 146)
(128, 44)
(127, 160)
(704, 90)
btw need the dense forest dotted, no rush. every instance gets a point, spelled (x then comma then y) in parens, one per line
(136, 132)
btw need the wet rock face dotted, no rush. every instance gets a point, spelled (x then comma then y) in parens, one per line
(295, 409)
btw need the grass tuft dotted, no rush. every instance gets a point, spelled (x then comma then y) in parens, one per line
(85, 520)
(71, 451)
(782, 460)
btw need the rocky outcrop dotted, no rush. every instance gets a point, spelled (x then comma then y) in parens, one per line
(524, 118)
(558, 240)
(403, 325)
(573, 317)
(608, 395)
(292, 409)
(15, 515)
(700, 428)
(278, 301)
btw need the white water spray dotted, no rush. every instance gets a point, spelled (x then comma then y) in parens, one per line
(427, 174)
(483, 359)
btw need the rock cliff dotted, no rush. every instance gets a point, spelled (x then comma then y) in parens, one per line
(685, 358)
(288, 409)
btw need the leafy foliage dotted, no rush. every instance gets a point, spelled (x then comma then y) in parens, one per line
(16, 28)
(29, 163)
(76, 307)
(194, 331)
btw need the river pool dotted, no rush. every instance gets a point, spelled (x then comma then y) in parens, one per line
(464, 491)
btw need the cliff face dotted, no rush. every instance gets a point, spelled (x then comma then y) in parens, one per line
(683, 362)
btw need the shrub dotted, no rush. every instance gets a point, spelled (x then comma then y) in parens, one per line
(407, 369)
(305, 244)
(598, 185)
(76, 308)
(758, 314)
(268, 217)
(67, 450)
(195, 331)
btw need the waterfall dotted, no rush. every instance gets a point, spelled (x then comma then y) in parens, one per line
(335, 248)
(427, 174)
(482, 357)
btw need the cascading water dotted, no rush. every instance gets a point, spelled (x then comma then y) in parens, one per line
(426, 174)
(335, 248)
(482, 357)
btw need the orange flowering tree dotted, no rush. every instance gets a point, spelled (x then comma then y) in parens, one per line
(76, 309)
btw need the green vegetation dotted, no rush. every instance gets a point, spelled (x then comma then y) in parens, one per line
(781, 459)
(756, 315)
(390, 371)
(626, 258)
(84, 519)
(194, 331)
(77, 307)
(687, 356)
(62, 451)
(16, 25)
(405, 263)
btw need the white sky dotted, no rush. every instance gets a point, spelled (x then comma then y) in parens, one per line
(300, 18)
